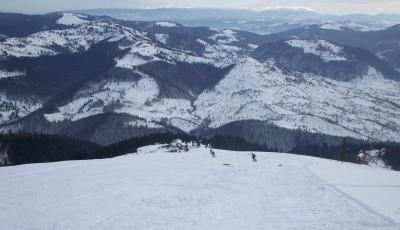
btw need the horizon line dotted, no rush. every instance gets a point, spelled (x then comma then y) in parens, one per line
(275, 8)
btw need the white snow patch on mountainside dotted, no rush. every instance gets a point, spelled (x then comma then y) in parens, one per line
(10, 74)
(130, 60)
(71, 19)
(141, 52)
(225, 37)
(156, 189)
(136, 98)
(135, 94)
(253, 46)
(143, 123)
(331, 26)
(326, 50)
(15, 108)
(353, 25)
(162, 38)
(166, 24)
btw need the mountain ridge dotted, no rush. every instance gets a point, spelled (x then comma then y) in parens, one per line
(154, 76)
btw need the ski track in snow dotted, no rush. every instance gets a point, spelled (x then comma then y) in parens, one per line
(159, 190)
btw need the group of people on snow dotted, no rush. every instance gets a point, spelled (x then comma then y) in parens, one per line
(253, 155)
(180, 146)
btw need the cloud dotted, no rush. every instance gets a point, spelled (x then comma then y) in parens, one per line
(289, 8)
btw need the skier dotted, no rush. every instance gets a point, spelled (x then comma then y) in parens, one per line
(212, 153)
(253, 157)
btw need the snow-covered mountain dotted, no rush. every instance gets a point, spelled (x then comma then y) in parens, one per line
(104, 80)
(158, 189)
(383, 43)
(265, 21)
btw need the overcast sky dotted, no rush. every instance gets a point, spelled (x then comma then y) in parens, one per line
(326, 6)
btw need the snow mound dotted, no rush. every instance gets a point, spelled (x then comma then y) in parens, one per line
(326, 50)
(71, 19)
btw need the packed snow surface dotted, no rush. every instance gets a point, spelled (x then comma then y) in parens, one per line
(155, 189)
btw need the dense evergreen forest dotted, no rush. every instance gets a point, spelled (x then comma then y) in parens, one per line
(26, 148)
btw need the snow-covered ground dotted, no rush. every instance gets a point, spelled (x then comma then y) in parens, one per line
(159, 190)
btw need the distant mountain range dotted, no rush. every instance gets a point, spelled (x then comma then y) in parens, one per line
(262, 22)
(104, 80)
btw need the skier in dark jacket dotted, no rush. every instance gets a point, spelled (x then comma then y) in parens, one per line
(212, 153)
(253, 157)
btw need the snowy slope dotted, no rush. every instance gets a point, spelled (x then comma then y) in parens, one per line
(160, 190)
(12, 109)
(142, 50)
(74, 40)
(326, 50)
(261, 91)
(137, 98)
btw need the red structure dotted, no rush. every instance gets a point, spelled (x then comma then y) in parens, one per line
(362, 158)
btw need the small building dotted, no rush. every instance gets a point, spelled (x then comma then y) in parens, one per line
(178, 146)
(372, 157)
(4, 160)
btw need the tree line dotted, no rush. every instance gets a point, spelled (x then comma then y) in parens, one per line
(26, 148)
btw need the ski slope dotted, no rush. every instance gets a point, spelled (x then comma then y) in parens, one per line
(155, 189)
